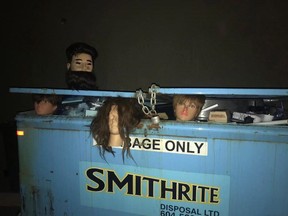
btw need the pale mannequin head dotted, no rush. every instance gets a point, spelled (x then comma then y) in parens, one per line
(44, 108)
(79, 48)
(114, 121)
(187, 107)
(45, 104)
(115, 138)
(81, 62)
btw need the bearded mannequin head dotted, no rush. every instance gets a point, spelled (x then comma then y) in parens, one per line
(80, 65)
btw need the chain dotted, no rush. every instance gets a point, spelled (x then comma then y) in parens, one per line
(153, 101)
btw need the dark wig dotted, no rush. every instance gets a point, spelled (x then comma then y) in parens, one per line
(80, 47)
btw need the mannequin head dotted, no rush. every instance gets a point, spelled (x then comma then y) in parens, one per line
(187, 107)
(77, 48)
(45, 104)
(113, 124)
(80, 65)
(81, 62)
(114, 121)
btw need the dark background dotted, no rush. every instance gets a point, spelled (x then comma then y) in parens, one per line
(173, 43)
(205, 43)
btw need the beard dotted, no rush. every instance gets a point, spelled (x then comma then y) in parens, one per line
(81, 80)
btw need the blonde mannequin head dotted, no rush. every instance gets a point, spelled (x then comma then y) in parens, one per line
(187, 107)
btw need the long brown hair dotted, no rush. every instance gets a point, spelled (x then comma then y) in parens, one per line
(129, 116)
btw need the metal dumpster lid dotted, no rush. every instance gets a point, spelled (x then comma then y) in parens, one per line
(209, 92)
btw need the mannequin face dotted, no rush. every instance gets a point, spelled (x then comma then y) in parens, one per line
(186, 111)
(113, 120)
(81, 62)
(44, 107)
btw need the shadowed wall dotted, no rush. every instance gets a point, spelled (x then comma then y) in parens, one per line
(172, 43)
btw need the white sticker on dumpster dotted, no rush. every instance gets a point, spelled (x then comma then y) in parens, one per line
(192, 147)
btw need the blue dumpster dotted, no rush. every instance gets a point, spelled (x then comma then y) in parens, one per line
(178, 168)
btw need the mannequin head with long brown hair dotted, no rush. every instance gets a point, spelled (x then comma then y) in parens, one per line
(114, 121)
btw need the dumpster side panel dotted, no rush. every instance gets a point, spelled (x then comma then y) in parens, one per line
(177, 169)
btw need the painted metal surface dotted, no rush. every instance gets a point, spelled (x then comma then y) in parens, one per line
(181, 169)
(209, 92)
(178, 169)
